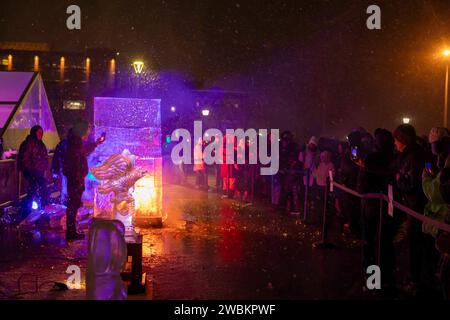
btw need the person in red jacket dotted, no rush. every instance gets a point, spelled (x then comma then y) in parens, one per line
(75, 168)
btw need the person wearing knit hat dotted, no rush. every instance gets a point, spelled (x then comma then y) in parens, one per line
(405, 135)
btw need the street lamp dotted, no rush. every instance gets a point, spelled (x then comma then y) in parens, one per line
(173, 109)
(446, 55)
(205, 112)
(138, 66)
(406, 120)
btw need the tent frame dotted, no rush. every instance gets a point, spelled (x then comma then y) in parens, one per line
(19, 104)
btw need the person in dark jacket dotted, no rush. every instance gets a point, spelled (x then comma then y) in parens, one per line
(57, 166)
(351, 206)
(409, 168)
(287, 146)
(376, 174)
(75, 168)
(33, 162)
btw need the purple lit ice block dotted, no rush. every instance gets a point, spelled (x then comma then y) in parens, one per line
(133, 124)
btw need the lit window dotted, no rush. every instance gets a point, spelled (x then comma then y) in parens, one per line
(74, 105)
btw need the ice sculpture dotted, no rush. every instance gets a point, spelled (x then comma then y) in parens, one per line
(107, 255)
(135, 125)
(119, 175)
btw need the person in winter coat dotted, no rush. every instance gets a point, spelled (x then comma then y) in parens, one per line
(287, 146)
(439, 139)
(33, 162)
(347, 175)
(321, 174)
(75, 168)
(409, 168)
(57, 166)
(292, 185)
(200, 168)
(376, 174)
(309, 159)
(438, 209)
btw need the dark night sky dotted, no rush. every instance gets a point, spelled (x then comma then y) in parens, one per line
(205, 37)
(307, 59)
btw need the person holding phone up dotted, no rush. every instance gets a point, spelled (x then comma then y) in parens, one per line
(75, 168)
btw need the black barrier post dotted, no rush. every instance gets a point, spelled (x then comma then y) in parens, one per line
(324, 244)
(228, 180)
(380, 230)
(252, 173)
(306, 207)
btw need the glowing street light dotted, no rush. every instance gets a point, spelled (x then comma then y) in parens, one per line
(205, 112)
(446, 55)
(173, 109)
(406, 120)
(138, 66)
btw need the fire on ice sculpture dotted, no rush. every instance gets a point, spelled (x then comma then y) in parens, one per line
(119, 175)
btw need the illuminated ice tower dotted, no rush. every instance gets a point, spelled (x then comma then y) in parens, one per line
(133, 149)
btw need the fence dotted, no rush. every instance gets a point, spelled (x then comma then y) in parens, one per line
(382, 198)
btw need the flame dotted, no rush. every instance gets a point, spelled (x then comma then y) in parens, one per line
(145, 197)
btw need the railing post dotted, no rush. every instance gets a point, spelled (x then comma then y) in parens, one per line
(324, 244)
(228, 179)
(306, 206)
(325, 211)
(252, 175)
(380, 230)
(18, 184)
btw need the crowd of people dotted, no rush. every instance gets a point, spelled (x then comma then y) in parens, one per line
(418, 169)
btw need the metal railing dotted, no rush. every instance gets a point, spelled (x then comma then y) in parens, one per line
(13, 186)
(382, 198)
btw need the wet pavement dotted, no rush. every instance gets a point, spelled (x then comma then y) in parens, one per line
(223, 251)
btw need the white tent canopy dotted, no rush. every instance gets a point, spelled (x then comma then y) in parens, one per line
(24, 104)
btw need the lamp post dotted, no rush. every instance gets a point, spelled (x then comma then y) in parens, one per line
(446, 54)
(138, 67)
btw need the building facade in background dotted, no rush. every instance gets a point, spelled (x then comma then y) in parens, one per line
(72, 79)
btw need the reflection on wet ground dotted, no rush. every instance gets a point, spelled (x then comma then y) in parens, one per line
(209, 248)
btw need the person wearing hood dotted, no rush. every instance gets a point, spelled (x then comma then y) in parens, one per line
(309, 158)
(33, 162)
(409, 168)
(439, 139)
(75, 168)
